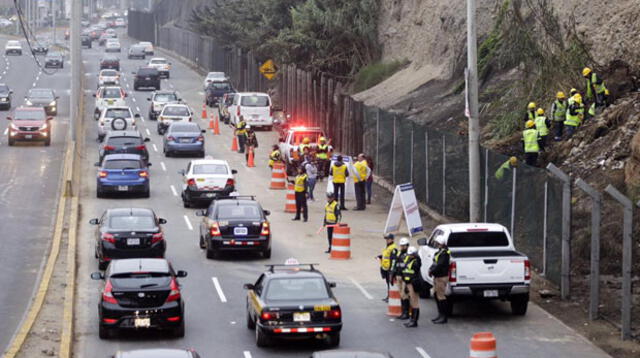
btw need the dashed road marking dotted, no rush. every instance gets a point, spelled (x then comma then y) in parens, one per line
(137, 108)
(247, 354)
(186, 220)
(6, 130)
(173, 190)
(164, 167)
(148, 132)
(133, 98)
(359, 286)
(422, 352)
(155, 148)
(216, 284)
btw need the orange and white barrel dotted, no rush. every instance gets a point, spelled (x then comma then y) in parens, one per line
(341, 242)
(278, 176)
(290, 206)
(394, 306)
(483, 345)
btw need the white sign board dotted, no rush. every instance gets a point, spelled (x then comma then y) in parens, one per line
(404, 202)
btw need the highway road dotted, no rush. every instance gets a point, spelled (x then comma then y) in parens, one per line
(29, 183)
(215, 315)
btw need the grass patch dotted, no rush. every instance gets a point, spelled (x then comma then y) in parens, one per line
(375, 73)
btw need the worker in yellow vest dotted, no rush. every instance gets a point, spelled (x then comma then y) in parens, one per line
(275, 156)
(387, 258)
(530, 115)
(323, 153)
(300, 189)
(575, 115)
(530, 137)
(542, 125)
(559, 113)
(241, 133)
(360, 177)
(332, 216)
(339, 172)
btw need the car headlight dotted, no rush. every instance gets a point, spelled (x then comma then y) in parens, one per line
(4, 99)
(14, 127)
(44, 126)
(52, 103)
(28, 103)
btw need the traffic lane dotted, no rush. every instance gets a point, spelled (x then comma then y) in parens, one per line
(29, 184)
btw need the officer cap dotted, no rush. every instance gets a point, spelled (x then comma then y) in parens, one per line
(389, 236)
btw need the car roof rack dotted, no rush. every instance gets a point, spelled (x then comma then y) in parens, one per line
(273, 267)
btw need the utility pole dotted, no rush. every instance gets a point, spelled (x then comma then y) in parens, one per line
(474, 121)
(76, 63)
(53, 20)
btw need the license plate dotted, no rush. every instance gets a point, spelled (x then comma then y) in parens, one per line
(241, 231)
(490, 293)
(110, 101)
(301, 316)
(133, 242)
(142, 322)
(147, 78)
(28, 136)
(123, 188)
(210, 195)
(185, 140)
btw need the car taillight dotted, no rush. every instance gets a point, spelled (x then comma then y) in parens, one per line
(157, 238)
(200, 139)
(107, 296)
(214, 230)
(174, 295)
(191, 182)
(238, 110)
(453, 272)
(109, 147)
(143, 174)
(103, 174)
(268, 316)
(265, 229)
(141, 147)
(334, 314)
(527, 270)
(230, 182)
(108, 238)
(172, 138)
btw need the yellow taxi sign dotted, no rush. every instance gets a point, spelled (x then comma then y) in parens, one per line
(268, 69)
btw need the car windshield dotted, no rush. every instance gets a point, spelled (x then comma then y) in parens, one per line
(213, 75)
(147, 72)
(255, 101)
(478, 239)
(210, 169)
(141, 279)
(313, 288)
(132, 223)
(111, 93)
(165, 97)
(53, 56)
(109, 73)
(175, 111)
(109, 59)
(159, 61)
(185, 128)
(31, 115)
(124, 141)
(13, 43)
(220, 86)
(234, 211)
(122, 164)
(4, 88)
(118, 113)
(40, 93)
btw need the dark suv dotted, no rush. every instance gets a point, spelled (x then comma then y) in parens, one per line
(85, 41)
(146, 77)
(110, 62)
(124, 142)
(215, 91)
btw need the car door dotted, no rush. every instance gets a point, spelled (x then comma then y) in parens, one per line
(255, 303)
(98, 228)
(186, 176)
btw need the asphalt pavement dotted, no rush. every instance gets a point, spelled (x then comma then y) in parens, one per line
(29, 186)
(215, 313)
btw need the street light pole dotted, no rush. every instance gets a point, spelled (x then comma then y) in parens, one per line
(474, 120)
(76, 63)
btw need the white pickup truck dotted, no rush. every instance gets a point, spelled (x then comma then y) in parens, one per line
(290, 141)
(484, 264)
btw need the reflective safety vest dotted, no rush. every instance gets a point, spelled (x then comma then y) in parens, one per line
(541, 125)
(322, 151)
(435, 258)
(330, 212)
(504, 167)
(593, 81)
(559, 110)
(241, 128)
(530, 137)
(592, 109)
(408, 273)
(574, 120)
(303, 146)
(339, 174)
(301, 183)
(274, 157)
(385, 263)
(361, 171)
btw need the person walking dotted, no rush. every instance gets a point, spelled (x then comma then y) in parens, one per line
(312, 172)
(411, 277)
(300, 189)
(275, 155)
(360, 177)
(439, 270)
(339, 172)
(369, 179)
(398, 267)
(542, 125)
(323, 153)
(387, 258)
(241, 133)
(575, 114)
(530, 115)
(251, 143)
(332, 216)
(506, 166)
(559, 112)
(530, 140)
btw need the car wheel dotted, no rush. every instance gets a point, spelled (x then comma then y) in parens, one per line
(448, 307)
(186, 203)
(333, 340)
(178, 332)
(202, 243)
(11, 142)
(102, 265)
(266, 253)
(146, 193)
(261, 339)
(201, 155)
(519, 304)
(105, 332)
(211, 254)
(168, 75)
(47, 142)
(251, 324)
(99, 194)
(96, 114)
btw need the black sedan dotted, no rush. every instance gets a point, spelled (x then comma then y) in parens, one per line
(140, 294)
(158, 353)
(85, 41)
(42, 97)
(128, 233)
(54, 60)
(110, 62)
(235, 223)
(124, 142)
(293, 300)
(5, 96)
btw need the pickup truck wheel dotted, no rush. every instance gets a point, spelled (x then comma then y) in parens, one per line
(105, 333)
(519, 304)
(211, 254)
(266, 253)
(448, 307)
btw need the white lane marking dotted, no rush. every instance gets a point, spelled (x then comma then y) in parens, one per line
(141, 117)
(148, 132)
(155, 149)
(219, 289)
(422, 353)
(186, 220)
(6, 130)
(137, 108)
(247, 354)
(201, 93)
(163, 166)
(359, 286)
(133, 98)
(34, 84)
(173, 190)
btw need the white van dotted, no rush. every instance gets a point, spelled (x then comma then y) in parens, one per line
(255, 107)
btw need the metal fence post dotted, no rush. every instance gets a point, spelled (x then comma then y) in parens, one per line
(411, 158)
(444, 175)
(514, 178)
(565, 275)
(544, 228)
(627, 248)
(377, 163)
(393, 151)
(426, 164)
(486, 183)
(594, 286)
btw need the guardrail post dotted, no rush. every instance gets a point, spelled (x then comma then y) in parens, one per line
(512, 221)
(627, 248)
(594, 286)
(565, 275)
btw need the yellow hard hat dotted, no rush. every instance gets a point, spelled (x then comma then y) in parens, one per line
(306, 140)
(532, 105)
(560, 95)
(578, 98)
(540, 111)
(322, 139)
(573, 91)
(513, 161)
(586, 71)
(606, 91)
(530, 124)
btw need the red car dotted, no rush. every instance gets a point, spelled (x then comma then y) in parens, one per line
(29, 124)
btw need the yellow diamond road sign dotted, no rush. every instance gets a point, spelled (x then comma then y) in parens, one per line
(268, 69)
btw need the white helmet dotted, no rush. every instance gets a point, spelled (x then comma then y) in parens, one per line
(404, 241)
(411, 250)
(440, 240)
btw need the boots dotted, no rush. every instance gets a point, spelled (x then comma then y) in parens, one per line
(415, 314)
(442, 308)
(405, 310)
(438, 304)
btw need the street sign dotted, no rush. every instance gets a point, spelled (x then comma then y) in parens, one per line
(268, 69)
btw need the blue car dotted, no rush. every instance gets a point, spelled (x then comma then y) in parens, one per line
(183, 137)
(123, 173)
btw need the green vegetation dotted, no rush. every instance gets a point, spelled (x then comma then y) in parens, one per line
(375, 73)
(338, 37)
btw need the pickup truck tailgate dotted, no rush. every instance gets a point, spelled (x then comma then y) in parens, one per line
(489, 267)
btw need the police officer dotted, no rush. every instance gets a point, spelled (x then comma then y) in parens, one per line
(362, 173)
(275, 156)
(251, 142)
(339, 172)
(398, 267)
(300, 188)
(439, 270)
(410, 276)
(387, 259)
(332, 216)
(241, 133)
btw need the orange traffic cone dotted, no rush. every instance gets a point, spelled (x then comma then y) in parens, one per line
(394, 306)
(250, 160)
(290, 206)
(204, 112)
(212, 125)
(216, 126)
(341, 242)
(278, 176)
(234, 144)
(483, 345)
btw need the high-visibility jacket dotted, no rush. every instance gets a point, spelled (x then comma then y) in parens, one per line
(411, 269)
(301, 183)
(575, 113)
(595, 83)
(592, 109)
(241, 128)
(440, 266)
(388, 253)
(559, 110)
(322, 151)
(275, 156)
(530, 137)
(303, 146)
(503, 168)
(361, 171)
(530, 116)
(339, 173)
(331, 212)
(541, 125)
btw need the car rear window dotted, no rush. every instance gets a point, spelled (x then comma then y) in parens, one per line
(158, 61)
(122, 164)
(109, 73)
(124, 141)
(175, 111)
(132, 223)
(223, 86)
(118, 113)
(29, 115)
(296, 289)
(185, 128)
(478, 239)
(165, 97)
(234, 211)
(111, 93)
(40, 93)
(299, 136)
(147, 72)
(255, 101)
(141, 280)
(210, 169)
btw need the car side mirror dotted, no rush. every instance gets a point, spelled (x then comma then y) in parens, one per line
(179, 99)
(149, 164)
(162, 221)
(97, 276)
(11, 92)
(9, 118)
(147, 140)
(332, 284)
(422, 241)
(94, 221)
(94, 95)
(137, 115)
(57, 97)
(201, 213)
(96, 164)
(266, 212)
(233, 171)
(203, 131)
(181, 273)
(248, 286)
(148, 99)
(133, 73)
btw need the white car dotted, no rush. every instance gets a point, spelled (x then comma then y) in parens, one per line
(116, 119)
(120, 22)
(158, 100)
(161, 64)
(112, 96)
(108, 78)
(206, 179)
(13, 47)
(171, 113)
(148, 47)
(213, 77)
(112, 45)
(254, 107)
